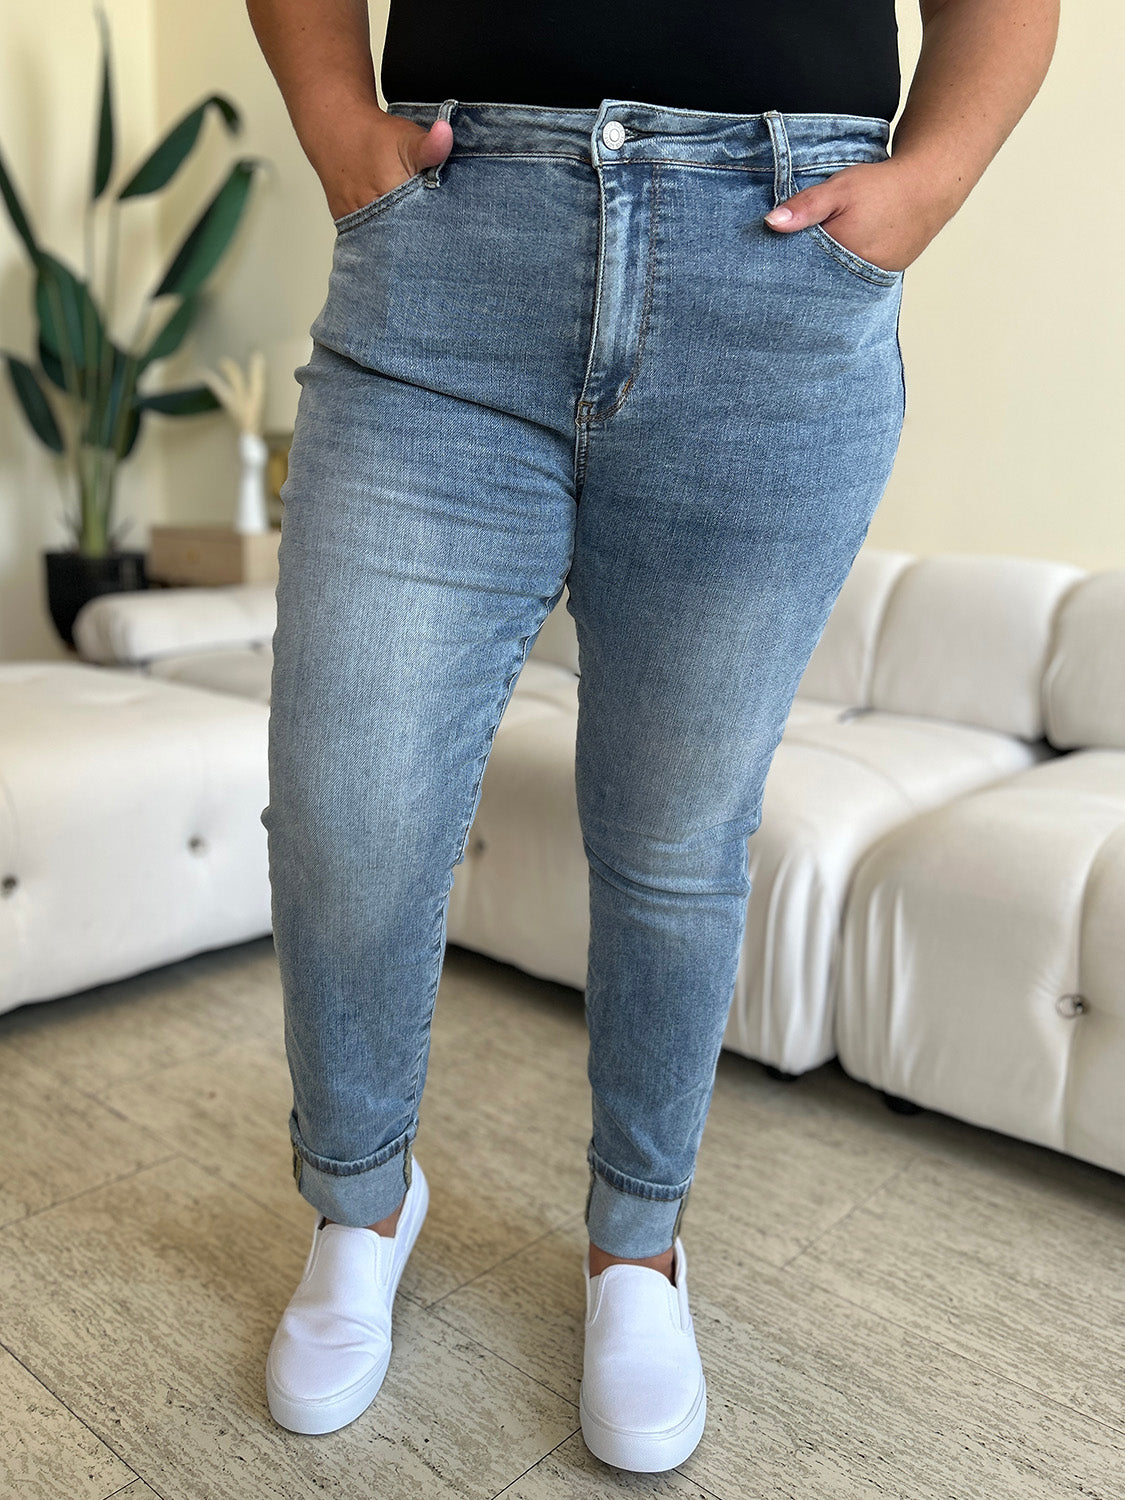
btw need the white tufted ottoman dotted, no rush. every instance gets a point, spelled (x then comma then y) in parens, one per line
(130, 828)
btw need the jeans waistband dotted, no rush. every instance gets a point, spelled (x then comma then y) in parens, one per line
(632, 130)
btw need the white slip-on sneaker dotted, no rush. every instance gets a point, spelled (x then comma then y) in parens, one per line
(330, 1353)
(643, 1398)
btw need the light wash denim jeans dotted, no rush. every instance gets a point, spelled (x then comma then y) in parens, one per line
(573, 353)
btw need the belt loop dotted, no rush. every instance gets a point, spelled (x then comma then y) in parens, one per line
(432, 174)
(782, 156)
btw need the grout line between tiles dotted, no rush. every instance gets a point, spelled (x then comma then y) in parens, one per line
(84, 1192)
(93, 1431)
(503, 1261)
(100, 1099)
(536, 1464)
(844, 1217)
(969, 1359)
(126, 1487)
(503, 1358)
(702, 1488)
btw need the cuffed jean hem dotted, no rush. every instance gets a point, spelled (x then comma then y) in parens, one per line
(630, 1218)
(350, 1195)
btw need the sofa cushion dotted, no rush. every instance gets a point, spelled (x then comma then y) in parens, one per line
(840, 668)
(1084, 683)
(967, 639)
(968, 936)
(245, 671)
(147, 623)
(130, 825)
(557, 641)
(839, 780)
(835, 787)
(521, 893)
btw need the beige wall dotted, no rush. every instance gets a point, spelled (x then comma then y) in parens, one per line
(1012, 324)
(1013, 331)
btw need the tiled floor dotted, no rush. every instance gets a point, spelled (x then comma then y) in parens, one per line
(887, 1306)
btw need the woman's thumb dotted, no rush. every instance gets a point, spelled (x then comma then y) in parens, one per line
(799, 210)
(434, 146)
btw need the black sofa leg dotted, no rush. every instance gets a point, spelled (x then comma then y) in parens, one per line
(901, 1106)
(778, 1076)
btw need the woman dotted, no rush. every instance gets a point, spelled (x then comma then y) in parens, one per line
(613, 304)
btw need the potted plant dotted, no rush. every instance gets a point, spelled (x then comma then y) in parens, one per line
(83, 396)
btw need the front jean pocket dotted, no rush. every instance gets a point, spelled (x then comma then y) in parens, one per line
(855, 265)
(865, 269)
(378, 205)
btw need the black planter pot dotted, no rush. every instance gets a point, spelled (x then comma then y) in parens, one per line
(72, 580)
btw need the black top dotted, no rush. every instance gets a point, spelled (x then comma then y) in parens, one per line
(723, 56)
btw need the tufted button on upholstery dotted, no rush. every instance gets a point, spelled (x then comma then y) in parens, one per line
(197, 844)
(1069, 1006)
(613, 134)
(8, 884)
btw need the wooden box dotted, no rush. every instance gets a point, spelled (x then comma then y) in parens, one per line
(212, 555)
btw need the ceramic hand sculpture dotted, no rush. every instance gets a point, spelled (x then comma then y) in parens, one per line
(243, 396)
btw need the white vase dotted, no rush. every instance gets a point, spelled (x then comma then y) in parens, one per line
(253, 511)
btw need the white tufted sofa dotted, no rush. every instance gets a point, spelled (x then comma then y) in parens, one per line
(983, 945)
(952, 770)
(129, 825)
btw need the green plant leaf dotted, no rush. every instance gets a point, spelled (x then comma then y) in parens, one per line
(102, 434)
(52, 365)
(158, 169)
(172, 335)
(33, 399)
(209, 237)
(182, 403)
(67, 314)
(15, 209)
(104, 413)
(103, 152)
(131, 433)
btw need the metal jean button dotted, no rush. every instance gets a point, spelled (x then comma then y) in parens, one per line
(613, 134)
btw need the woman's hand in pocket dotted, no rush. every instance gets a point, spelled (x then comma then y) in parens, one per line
(362, 152)
(881, 211)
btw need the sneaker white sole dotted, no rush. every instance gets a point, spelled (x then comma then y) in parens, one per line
(645, 1452)
(313, 1418)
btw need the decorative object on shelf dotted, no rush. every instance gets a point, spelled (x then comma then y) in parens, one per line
(284, 357)
(98, 420)
(243, 397)
(210, 555)
(277, 470)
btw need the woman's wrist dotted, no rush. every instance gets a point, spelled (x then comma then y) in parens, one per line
(934, 179)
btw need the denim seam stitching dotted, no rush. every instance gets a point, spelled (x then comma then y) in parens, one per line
(862, 270)
(443, 905)
(526, 155)
(634, 1187)
(646, 307)
(435, 953)
(592, 112)
(332, 1168)
(837, 163)
(584, 407)
(368, 211)
(525, 646)
(667, 161)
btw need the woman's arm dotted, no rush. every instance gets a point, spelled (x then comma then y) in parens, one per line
(981, 64)
(320, 55)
